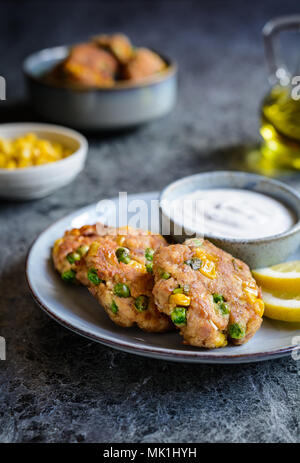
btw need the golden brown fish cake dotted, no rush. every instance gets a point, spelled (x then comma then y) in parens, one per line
(89, 65)
(210, 296)
(144, 63)
(118, 44)
(115, 271)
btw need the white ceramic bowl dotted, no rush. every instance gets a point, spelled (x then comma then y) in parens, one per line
(39, 181)
(122, 106)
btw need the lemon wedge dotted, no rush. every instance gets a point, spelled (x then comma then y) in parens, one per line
(282, 306)
(282, 277)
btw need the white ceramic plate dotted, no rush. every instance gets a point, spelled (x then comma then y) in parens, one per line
(77, 310)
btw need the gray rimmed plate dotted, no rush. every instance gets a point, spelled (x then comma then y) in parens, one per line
(75, 309)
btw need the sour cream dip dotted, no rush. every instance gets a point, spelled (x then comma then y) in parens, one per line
(233, 213)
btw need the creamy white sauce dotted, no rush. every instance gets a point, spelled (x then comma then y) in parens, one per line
(233, 213)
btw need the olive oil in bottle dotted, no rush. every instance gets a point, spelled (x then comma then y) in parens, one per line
(280, 128)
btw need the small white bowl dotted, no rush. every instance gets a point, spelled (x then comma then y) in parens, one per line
(39, 181)
(258, 252)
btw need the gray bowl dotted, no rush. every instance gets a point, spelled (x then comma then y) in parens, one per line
(122, 106)
(256, 253)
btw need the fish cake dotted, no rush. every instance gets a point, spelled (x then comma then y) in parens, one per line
(118, 273)
(144, 63)
(118, 44)
(89, 65)
(210, 296)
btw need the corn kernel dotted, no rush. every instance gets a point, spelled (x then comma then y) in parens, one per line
(24, 152)
(259, 307)
(29, 150)
(137, 265)
(56, 245)
(120, 240)
(11, 164)
(41, 160)
(24, 163)
(221, 340)
(2, 160)
(250, 290)
(208, 269)
(180, 299)
(5, 146)
(202, 254)
(75, 232)
(94, 248)
(30, 137)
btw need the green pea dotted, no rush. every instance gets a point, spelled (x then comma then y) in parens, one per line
(182, 289)
(178, 316)
(93, 277)
(83, 249)
(165, 275)
(149, 254)
(121, 290)
(178, 291)
(149, 267)
(194, 263)
(224, 308)
(221, 304)
(73, 257)
(114, 308)
(123, 255)
(236, 331)
(218, 298)
(141, 303)
(69, 276)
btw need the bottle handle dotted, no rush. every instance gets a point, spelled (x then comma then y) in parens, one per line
(278, 70)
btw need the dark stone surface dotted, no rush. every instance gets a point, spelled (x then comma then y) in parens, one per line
(57, 386)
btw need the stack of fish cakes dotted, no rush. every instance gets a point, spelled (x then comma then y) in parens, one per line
(210, 297)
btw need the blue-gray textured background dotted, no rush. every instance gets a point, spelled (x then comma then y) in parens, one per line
(56, 386)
